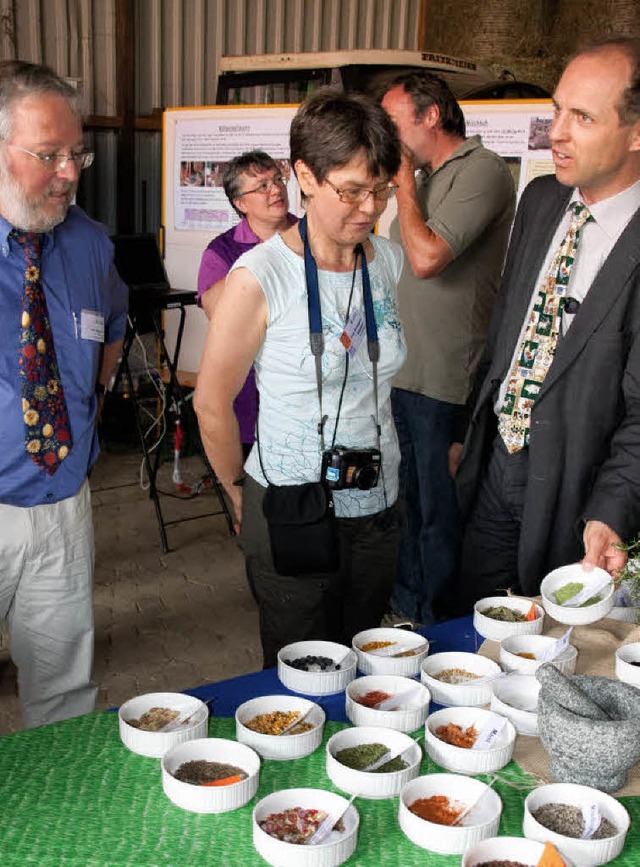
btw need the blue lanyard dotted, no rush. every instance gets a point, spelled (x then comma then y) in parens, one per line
(313, 299)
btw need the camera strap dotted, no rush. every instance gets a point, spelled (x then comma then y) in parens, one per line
(316, 337)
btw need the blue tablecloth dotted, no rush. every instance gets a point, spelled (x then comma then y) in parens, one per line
(227, 695)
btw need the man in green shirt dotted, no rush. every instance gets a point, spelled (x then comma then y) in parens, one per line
(453, 222)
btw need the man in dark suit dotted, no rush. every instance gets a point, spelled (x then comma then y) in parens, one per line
(550, 471)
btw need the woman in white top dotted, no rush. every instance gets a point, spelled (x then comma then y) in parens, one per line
(344, 151)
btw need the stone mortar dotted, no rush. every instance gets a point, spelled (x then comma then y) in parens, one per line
(590, 752)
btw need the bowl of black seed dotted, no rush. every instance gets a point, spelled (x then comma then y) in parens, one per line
(316, 667)
(210, 775)
(584, 824)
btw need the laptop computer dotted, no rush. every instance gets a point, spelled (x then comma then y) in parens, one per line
(138, 261)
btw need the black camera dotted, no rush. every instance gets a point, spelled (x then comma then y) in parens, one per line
(351, 468)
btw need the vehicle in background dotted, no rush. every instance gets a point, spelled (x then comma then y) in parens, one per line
(267, 79)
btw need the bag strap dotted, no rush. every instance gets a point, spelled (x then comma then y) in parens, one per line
(316, 337)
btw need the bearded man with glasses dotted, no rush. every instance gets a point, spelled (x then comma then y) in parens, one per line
(63, 314)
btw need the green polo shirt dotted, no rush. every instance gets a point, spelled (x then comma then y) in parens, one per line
(469, 202)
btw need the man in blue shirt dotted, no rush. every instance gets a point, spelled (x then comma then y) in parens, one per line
(46, 536)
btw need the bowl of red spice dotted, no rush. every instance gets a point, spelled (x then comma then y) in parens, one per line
(384, 700)
(458, 678)
(432, 812)
(373, 763)
(210, 775)
(583, 823)
(284, 823)
(469, 740)
(497, 617)
(387, 650)
(280, 727)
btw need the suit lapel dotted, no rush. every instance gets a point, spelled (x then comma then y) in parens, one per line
(607, 285)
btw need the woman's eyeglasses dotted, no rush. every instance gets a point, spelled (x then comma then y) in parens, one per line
(357, 195)
(265, 187)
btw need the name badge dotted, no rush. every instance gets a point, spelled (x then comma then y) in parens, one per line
(354, 332)
(92, 325)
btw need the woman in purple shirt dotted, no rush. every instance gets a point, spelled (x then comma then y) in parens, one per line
(257, 192)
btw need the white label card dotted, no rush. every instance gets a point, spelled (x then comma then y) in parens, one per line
(591, 817)
(354, 332)
(589, 590)
(557, 647)
(92, 325)
(489, 733)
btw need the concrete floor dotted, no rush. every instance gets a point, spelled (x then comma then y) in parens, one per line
(163, 622)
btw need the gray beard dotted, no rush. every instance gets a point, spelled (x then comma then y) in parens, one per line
(24, 214)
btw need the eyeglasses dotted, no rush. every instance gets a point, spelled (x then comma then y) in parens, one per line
(59, 162)
(265, 187)
(358, 195)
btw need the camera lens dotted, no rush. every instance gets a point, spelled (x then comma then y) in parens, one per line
(366, 477)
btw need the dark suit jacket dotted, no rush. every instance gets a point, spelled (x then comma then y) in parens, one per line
(584, 451)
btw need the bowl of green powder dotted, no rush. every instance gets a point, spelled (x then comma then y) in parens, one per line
(575, 596)
(350, 754)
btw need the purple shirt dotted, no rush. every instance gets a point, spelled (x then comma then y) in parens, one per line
(217, 259)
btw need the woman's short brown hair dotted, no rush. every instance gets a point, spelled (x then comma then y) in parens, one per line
(331, 127)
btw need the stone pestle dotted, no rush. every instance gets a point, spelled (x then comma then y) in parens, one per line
(568, 694)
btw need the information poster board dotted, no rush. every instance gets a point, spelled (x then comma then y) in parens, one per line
(198, 142)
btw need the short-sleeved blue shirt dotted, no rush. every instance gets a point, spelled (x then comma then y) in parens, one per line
(78, 275)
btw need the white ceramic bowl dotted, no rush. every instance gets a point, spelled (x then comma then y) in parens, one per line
(587, 852)
(338, 846)
(468, 761)
(281, 747)
(480, 823)
(566, 613)
(317, 682)
(372, 663)
(512, 696)
(496, 630)
(625, 671)
(365, 784)
(210, 799)
(156, 744)
(407, 718)
(506, 849)
(471, 694)
(536, 644)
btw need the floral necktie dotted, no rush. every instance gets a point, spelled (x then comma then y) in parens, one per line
(44, 409)
(540, 339)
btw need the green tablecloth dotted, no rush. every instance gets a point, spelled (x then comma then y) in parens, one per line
(71, 795)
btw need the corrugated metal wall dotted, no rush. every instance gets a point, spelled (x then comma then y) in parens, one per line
(178, 46)
(179, 43)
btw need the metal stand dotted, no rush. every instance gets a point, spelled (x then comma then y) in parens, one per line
(151, 310)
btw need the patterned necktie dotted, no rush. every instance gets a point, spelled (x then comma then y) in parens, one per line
(540, 339)
(44, 409)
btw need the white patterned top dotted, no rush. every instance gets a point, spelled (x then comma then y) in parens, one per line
(285, 372)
